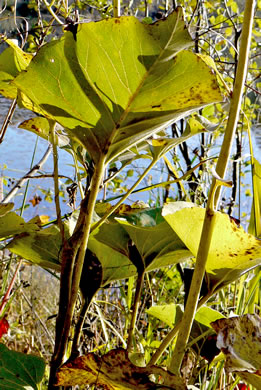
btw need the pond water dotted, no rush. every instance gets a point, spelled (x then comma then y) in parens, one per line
(15, 159)
(16, 153)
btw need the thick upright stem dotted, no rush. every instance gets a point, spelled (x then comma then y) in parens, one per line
(116, 8)
(72, 270)
(135, 309)
(237, 91)
(194, 292)
(209, 220)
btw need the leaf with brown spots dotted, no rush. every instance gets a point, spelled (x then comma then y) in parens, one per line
(109, 99)
(114, 371)
(232, 251)
(239, 338)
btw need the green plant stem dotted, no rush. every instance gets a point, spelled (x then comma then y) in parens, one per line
(116, 8)
(136, 304)
(171, 335)
(27, 184)
(164, 345)
(194, 291)
(56, 180)
(78, 174)
(128, 193)
(165, 183)
(49, 7)
(237, 92)
(209, 221)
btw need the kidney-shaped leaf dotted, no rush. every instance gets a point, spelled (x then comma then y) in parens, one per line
(114, 371)
(232, 251)
(19, 371)
(119, 80)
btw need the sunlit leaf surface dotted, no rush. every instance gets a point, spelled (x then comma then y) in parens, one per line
(119, 81)
(41, 126)
(12, 61)
(232, 251)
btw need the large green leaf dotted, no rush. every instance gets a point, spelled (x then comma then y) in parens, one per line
(119, 81)
(19, 371)
(232, 251)
(41, 248)
(12, 61)
(155, 241)
(158, 245)
(11, 224)
(167, 313)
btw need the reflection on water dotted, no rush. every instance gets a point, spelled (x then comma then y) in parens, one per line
(16, 153)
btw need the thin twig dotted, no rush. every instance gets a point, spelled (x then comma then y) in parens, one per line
(56, 183)
(7, 120)
(39, 319)
(28, 175)
(8, 292)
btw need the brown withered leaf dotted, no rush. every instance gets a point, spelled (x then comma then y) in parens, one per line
(114, 371)
(35, 200)
(239, 338)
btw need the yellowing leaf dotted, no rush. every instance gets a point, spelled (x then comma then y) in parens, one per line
(239, 338)
(40, 220)
(5, 208)
(112, 93)
(12, 61)
(114, 371)
(253, 379)
(41, 127)
(232, 251)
